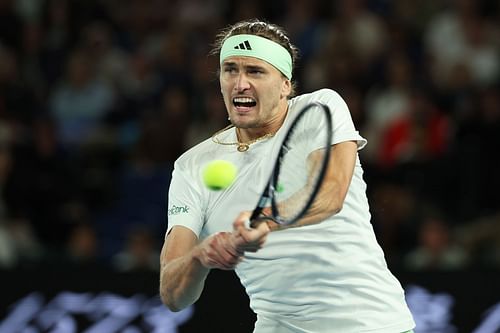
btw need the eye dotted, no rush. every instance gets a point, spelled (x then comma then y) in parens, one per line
(255, 71)
(230, 70)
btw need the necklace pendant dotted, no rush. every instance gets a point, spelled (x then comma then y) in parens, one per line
(242, 147)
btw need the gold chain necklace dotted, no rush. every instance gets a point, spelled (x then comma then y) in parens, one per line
(242, 146)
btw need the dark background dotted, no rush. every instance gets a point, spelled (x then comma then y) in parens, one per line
(99, 97)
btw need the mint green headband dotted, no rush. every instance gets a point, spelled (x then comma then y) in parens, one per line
(258, 47)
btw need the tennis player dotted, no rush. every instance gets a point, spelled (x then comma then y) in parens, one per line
(326, 275)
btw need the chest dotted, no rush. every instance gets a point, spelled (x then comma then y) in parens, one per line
(254, 168)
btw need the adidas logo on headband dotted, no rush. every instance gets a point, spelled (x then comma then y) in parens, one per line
(243, 46)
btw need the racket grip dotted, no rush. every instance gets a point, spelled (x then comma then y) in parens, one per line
(254, 223)
(254, 218)
(255, 215)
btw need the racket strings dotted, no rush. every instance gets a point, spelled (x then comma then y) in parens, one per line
(299, 171)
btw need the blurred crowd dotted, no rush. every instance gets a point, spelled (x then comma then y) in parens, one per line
(99, 97)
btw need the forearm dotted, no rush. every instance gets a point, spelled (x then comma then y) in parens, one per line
(328, 202)
(334, 188)
(181, 281)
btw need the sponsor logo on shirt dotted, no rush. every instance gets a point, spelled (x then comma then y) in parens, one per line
(175, 210)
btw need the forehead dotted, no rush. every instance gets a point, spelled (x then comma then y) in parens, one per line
(245, 61)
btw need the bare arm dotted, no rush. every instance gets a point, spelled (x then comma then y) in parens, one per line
(182, 275)
(185, 262)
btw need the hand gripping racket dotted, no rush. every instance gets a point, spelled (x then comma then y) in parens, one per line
(299, 169)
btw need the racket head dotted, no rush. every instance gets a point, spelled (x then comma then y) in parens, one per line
(301, 164)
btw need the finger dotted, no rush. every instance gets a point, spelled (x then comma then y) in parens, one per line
(263, 228)
(217, 254)
(255, 245)
(251, 240)
(255, 234)
(226, 248)
(243, 220)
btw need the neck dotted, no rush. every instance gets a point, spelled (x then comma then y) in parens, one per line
(269, 128)
(245, 139)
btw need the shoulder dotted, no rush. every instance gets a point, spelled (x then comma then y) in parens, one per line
(326, 96)
(194, 155)
(205, 151)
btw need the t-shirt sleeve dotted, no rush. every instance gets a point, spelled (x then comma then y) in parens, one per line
(184, 202)
(343, 126)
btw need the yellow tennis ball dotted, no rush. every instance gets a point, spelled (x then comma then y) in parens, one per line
(219, 174)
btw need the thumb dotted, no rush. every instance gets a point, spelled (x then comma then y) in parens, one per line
(242, 221)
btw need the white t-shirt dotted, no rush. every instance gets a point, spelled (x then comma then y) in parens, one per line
(327, 277)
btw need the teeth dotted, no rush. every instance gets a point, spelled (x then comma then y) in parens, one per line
(243, 100)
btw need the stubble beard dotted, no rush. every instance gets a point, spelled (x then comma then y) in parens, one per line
(245, 125)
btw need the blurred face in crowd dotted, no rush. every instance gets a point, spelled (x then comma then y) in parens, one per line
(255, 92)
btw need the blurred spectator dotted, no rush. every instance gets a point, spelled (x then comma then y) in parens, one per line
(203, 88)
(394, 217)
(139, 254)
(303, 25)
(436, 249)
(29, 10)
(355, 100)
(421, 133)
(171, 56)
(243, 10)
(462, 41)
(481, 239)
(7, 251)
(31, 62)
(10, 24)
(18, 244)
(81, 246)
(387, 101)
(140, 197)
(198, 12)
(365, 31)
(59, 37)
(476, 139)
(81, 101)
(18, 104)
(172, 114)
(140, 86)
(214, 118)
(109, 61)
(5, 167)
(41, 183)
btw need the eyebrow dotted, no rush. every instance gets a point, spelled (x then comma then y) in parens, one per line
(228, 64)
(251, 67)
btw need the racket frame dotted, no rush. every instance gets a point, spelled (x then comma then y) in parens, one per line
(268, 195)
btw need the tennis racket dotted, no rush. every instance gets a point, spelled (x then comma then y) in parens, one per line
(299, 169)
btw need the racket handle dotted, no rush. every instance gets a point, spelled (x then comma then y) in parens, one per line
(255, 214)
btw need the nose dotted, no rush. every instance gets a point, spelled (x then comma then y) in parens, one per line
(242, 83)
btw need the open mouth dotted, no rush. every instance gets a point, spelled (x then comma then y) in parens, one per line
(244, 102)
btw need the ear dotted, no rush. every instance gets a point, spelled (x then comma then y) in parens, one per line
(286, 88)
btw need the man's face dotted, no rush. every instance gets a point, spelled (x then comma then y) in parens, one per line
(254, 91)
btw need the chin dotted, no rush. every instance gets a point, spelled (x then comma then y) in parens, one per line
(244, 123)
(239, 123)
